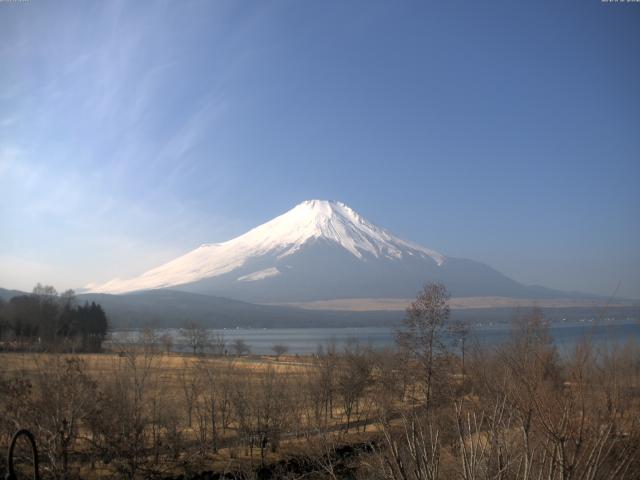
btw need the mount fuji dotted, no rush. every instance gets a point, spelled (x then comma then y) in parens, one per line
(321, 250)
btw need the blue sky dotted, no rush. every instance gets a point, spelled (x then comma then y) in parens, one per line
(506, 132)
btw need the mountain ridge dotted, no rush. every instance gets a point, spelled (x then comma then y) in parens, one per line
(321, 250)
(281, 237)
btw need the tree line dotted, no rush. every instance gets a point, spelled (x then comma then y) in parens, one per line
(48, 321)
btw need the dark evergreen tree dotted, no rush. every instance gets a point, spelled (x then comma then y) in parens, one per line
(47, 320)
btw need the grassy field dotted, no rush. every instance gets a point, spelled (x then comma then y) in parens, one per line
(170, 364)
(139, 412)
(264, 398)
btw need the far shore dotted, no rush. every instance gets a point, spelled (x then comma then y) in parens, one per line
(458, 303)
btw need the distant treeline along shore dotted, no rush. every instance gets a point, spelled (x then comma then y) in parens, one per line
(47, 320)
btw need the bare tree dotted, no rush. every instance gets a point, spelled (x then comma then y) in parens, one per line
(241, 347)
(195, 336)
(412, 453)
(279, 350)
(421, 331)
(460, 331)
(149, 339)
(218, 344)
(121, 423)
(261, 409)
(213, 403)
(391, 381)
(354, 377)
(61, 402)
(326, 361)
(190, 386)
(167, 343)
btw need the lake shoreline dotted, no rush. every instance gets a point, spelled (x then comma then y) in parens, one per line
(306, 340)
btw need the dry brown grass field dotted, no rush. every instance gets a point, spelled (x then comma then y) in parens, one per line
(518, 411)
(273, 394)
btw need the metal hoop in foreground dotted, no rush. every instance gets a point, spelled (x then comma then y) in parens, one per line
(12, 474)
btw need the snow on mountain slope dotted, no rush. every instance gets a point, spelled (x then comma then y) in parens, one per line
(312, 220)
(259, 275)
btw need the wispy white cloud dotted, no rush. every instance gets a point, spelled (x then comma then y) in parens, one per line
(8, 121)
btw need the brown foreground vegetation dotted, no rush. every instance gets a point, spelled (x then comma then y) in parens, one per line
(518, 411)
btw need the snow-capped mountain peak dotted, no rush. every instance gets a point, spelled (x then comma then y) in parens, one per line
(309, 221)
(333, 221)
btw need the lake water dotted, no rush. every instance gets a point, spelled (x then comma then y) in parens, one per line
(306, 340)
